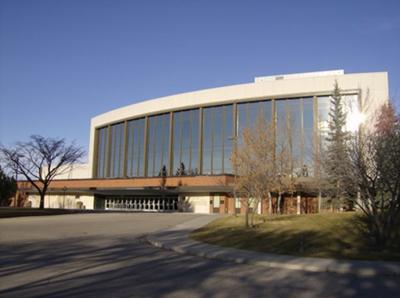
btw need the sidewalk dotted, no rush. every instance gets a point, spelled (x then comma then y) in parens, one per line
(176, 239)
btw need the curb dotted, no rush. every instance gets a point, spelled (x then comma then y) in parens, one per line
(180, 243)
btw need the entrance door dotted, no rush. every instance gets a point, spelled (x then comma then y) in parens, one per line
(216, 204)
(142, 203)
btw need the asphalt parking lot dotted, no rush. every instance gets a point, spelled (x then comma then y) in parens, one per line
(103, 255)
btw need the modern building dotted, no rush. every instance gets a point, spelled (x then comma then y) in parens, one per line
(173, 153)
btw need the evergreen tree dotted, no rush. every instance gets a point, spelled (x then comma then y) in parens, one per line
(181, 171)
(336, 153)
(8, 187)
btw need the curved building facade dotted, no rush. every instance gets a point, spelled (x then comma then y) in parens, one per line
(176, 150)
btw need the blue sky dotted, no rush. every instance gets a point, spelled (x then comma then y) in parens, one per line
(63, 62)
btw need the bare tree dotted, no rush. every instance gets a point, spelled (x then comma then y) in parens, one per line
(40, 160)
(374, 169)
(253, 161)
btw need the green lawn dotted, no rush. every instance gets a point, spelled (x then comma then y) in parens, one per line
(332, 235)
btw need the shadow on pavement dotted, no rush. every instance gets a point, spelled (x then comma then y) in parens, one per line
(125, 266)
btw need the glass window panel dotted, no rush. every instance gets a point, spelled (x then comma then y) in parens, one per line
(186, 134)
(241, 119)
(140, 147)
(350, 107)
(135, 148)
(219, 136)
(308, 124)
(294, 132)
(186, 141)
(102, 135)
(254, 111)
(238, 203)
(165, 145)
(228, 140)
(266, 107)
(158, 144)
(289, 130)
(353, 115)
(217, 142)
(177, 143)
(194, 162)
(152, 143)
(280, 120)
(208, 125)
(247, 114)
(323, 118)
(217, 201)
(117, 150)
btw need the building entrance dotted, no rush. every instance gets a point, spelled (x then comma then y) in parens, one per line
(153, 204)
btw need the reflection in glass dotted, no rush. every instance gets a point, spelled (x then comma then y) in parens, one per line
(217, 139)
(324, 103)
(308, 126)
(102, 137)
(248, 113)
(295, 131)
(117, 150)
(185, 143)
(135, 154)
(354, 117)
(158, 144)
(294, 125)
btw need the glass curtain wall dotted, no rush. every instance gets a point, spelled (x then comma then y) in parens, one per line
(217, 139)
(186, 143)
(298, 125)
(158, 145)
(135, 154)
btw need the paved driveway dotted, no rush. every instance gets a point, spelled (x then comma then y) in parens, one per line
(101, 255)
(107, 226)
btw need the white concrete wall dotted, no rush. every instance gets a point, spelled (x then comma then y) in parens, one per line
(375, 84)
(77, 171)
(199, 204)
(63, 201)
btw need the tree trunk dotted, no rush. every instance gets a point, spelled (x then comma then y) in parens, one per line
(269, 204)
(278, 208)
(247, 213)
(247, 217)
(319, 202)
(41, 204)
